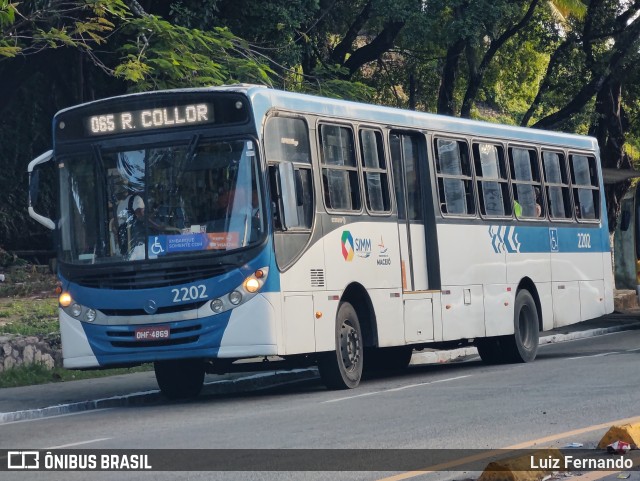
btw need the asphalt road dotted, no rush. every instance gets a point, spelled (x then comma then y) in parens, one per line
(569, 394)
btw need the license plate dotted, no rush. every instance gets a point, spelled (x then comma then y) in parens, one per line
(155, 333)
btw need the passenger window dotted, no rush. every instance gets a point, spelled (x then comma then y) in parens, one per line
(287, 140)
(492, 180)
(453, 168)
(586, 192)
(525, 178)
(557, 182)
(374, 168)
(339, 170)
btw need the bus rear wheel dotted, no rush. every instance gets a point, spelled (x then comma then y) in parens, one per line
(180, 379)
(342, 368)
(523, 345)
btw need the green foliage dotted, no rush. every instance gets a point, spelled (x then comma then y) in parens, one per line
(169, 56)
(80, 24)
(29, 317)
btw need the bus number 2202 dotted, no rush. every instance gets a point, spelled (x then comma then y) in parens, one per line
(584, 241)
(190, 293)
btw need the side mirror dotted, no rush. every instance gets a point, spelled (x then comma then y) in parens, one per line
(288, 194)
(34, 188)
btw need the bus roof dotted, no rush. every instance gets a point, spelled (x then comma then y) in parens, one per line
(264, 99)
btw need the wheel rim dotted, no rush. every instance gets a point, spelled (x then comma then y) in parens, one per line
(349, 346)
(526, 325)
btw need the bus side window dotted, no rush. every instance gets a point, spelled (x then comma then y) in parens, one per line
(557, 182)
(525, 178)
(455, 186)
(374, 168)
(492, 180)
(286, 139)
(586, 193)
(341, 186)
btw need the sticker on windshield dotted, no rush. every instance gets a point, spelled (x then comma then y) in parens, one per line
(160, 245)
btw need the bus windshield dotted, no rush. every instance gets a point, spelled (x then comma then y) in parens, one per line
(132, 204)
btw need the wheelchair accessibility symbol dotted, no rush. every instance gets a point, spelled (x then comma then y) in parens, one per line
(156, 247)
(553, 240)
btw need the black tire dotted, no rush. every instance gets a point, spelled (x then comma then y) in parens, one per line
(388, 358)
(180, 379)
(523, 345)
(342, 368)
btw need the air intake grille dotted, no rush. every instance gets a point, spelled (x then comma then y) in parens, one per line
(317, 277)
(146, 279)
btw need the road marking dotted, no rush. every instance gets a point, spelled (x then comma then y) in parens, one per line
(62, 446)
(594, 355)
(523, 445)
(46, 418)
(409, 386)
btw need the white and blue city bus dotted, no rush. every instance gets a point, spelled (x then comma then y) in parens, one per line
(200, 227)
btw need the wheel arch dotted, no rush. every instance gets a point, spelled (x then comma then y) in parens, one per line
(527, 284)
(356, 295)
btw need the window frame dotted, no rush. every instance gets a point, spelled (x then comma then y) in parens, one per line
(574, 187)
(564, 169)
(297, 165)
(479, 179)
(472, 195)
(345, 168)
(515, 182)
(364, 170)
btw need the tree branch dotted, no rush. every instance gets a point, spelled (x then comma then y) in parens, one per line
(476, 77)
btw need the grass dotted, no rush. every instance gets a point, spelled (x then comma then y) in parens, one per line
(39, 374)
(29, 316)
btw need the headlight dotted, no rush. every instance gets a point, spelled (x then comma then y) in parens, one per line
(217, 305)
(65, 299)
(252, 284)
(91, 315)
(76, 310)
(235, 297)
(241, 294)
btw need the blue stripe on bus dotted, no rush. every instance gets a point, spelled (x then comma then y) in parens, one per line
(538, 239)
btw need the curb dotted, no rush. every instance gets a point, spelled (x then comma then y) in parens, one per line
(629, 433)
(254, 382)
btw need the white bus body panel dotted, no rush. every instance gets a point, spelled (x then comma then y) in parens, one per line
(257, 317)
(76, 349)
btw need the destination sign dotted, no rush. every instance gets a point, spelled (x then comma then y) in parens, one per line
(149, 119)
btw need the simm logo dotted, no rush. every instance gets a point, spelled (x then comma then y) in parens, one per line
(354, 246)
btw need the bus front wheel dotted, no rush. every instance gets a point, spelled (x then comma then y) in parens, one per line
(180, 379)
(342, 368)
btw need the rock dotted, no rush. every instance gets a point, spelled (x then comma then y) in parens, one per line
(48, 361)
(9, 362)
(28, 354)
